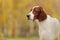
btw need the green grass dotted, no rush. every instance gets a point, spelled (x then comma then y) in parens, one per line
(26, 38)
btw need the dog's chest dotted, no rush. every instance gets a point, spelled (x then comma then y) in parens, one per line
(47, 28)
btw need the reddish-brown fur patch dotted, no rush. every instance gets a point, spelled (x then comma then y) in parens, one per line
(39, 13)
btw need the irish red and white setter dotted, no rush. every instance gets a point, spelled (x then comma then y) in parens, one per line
(48, 26)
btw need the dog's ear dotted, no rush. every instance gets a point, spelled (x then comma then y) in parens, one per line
(39, 13)
(42, 15)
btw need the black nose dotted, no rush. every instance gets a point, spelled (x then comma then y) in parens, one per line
(28, 16)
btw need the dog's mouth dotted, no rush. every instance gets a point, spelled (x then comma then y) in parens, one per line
(28, 18)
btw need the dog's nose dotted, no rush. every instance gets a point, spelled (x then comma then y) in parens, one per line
(28, 16)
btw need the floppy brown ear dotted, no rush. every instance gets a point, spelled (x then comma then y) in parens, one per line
(42, 15)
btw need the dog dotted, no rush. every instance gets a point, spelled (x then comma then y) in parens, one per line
(49, 27)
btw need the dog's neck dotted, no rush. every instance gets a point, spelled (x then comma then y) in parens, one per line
(37, 22)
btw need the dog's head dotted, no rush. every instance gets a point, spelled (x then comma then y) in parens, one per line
(37, 12)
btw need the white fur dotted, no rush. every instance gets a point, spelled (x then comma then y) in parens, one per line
(31, 15)
(49, 28)
(34, 7)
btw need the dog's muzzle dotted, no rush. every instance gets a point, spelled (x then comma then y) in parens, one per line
(28, 16)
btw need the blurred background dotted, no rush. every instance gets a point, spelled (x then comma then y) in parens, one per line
(13, 20)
